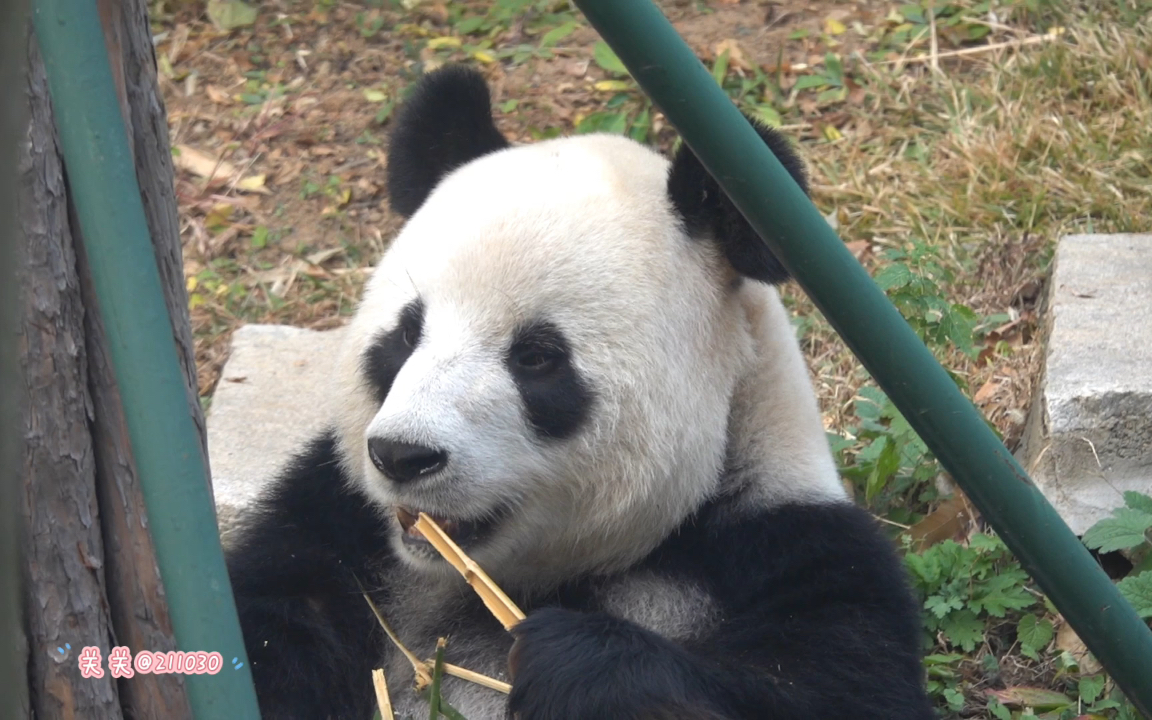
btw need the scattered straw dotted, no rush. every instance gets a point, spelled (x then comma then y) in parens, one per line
(477, 678)
(494, 598)
(423, 672)
(423, 669)
(935, 58)
(382, 698)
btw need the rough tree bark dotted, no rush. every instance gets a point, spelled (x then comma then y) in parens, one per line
(91, 577)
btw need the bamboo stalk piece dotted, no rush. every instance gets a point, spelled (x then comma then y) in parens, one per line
(423, 669)
(423, 675)
(494, 598)
(477, 678)
(383, 699)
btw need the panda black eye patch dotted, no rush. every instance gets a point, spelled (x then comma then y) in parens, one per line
(556, 398)
(388, 352)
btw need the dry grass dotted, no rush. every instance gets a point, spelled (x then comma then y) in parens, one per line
(991, 162)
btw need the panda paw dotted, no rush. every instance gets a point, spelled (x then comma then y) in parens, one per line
(569, 665)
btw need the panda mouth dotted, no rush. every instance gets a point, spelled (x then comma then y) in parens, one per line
(464, 533)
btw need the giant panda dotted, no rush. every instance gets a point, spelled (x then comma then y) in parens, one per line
(573, 357)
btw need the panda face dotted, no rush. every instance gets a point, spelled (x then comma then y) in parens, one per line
(569, 347)
(544, 361)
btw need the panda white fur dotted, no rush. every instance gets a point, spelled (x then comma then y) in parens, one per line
(573, 357)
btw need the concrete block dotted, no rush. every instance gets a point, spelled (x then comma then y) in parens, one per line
(272, 398)
(1089, 435)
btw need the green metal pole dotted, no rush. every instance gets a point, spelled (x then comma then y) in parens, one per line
(13, 86)
(947, 421)
(165, 444)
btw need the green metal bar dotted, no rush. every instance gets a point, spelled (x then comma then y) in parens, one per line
(165, 444)
(946, 420)
(13, 88)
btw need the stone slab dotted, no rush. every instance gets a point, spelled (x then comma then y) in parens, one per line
(1089, 435)
(271, 399)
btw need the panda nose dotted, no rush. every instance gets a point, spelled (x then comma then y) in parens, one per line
(403, 462)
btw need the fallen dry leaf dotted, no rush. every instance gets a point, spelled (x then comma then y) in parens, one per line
(202, 164)
(216, 171)
(736, 57)
(1031, 697)
(253, 183)
(986, 392)
(217, 95)
(832, 26)
(230, 14)
(1068, 641)
(946, 522)
(857, 248)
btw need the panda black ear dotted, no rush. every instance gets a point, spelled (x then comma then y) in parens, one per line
(708, 213)
(445, 123)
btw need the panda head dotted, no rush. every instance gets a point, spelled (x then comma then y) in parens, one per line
(545, 359)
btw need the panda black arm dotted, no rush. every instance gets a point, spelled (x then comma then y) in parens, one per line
(310, 637)
(817, 622)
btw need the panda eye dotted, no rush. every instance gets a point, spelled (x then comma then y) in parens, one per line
(537, 359)
(411, 336)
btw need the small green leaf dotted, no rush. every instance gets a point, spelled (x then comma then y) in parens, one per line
(720, 69)
(963, 628)
(805, 82)
(976, 32)
(1034, 633)
(1125, 529)
(954, 698)
(894, 276)
(924, 570)
(1091, 688)
(1138, 501)
(641, 126)
(260, 237)
(619, 99)
(607, 59)
(374, 96)
(468, 25)
(384, 112)
(941, 606)
(509, 105)
(1003, 593)
(912, 13)
(886, 466)
(768, 115)
(555, 35)
(1137, 589)
(605, 122)
(835, 70)
(997, 708)
(870, 404)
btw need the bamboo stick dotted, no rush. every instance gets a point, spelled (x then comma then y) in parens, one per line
(477, 678)
(383, 700)
(494, 598)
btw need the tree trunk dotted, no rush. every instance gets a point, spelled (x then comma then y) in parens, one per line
(91, 577)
